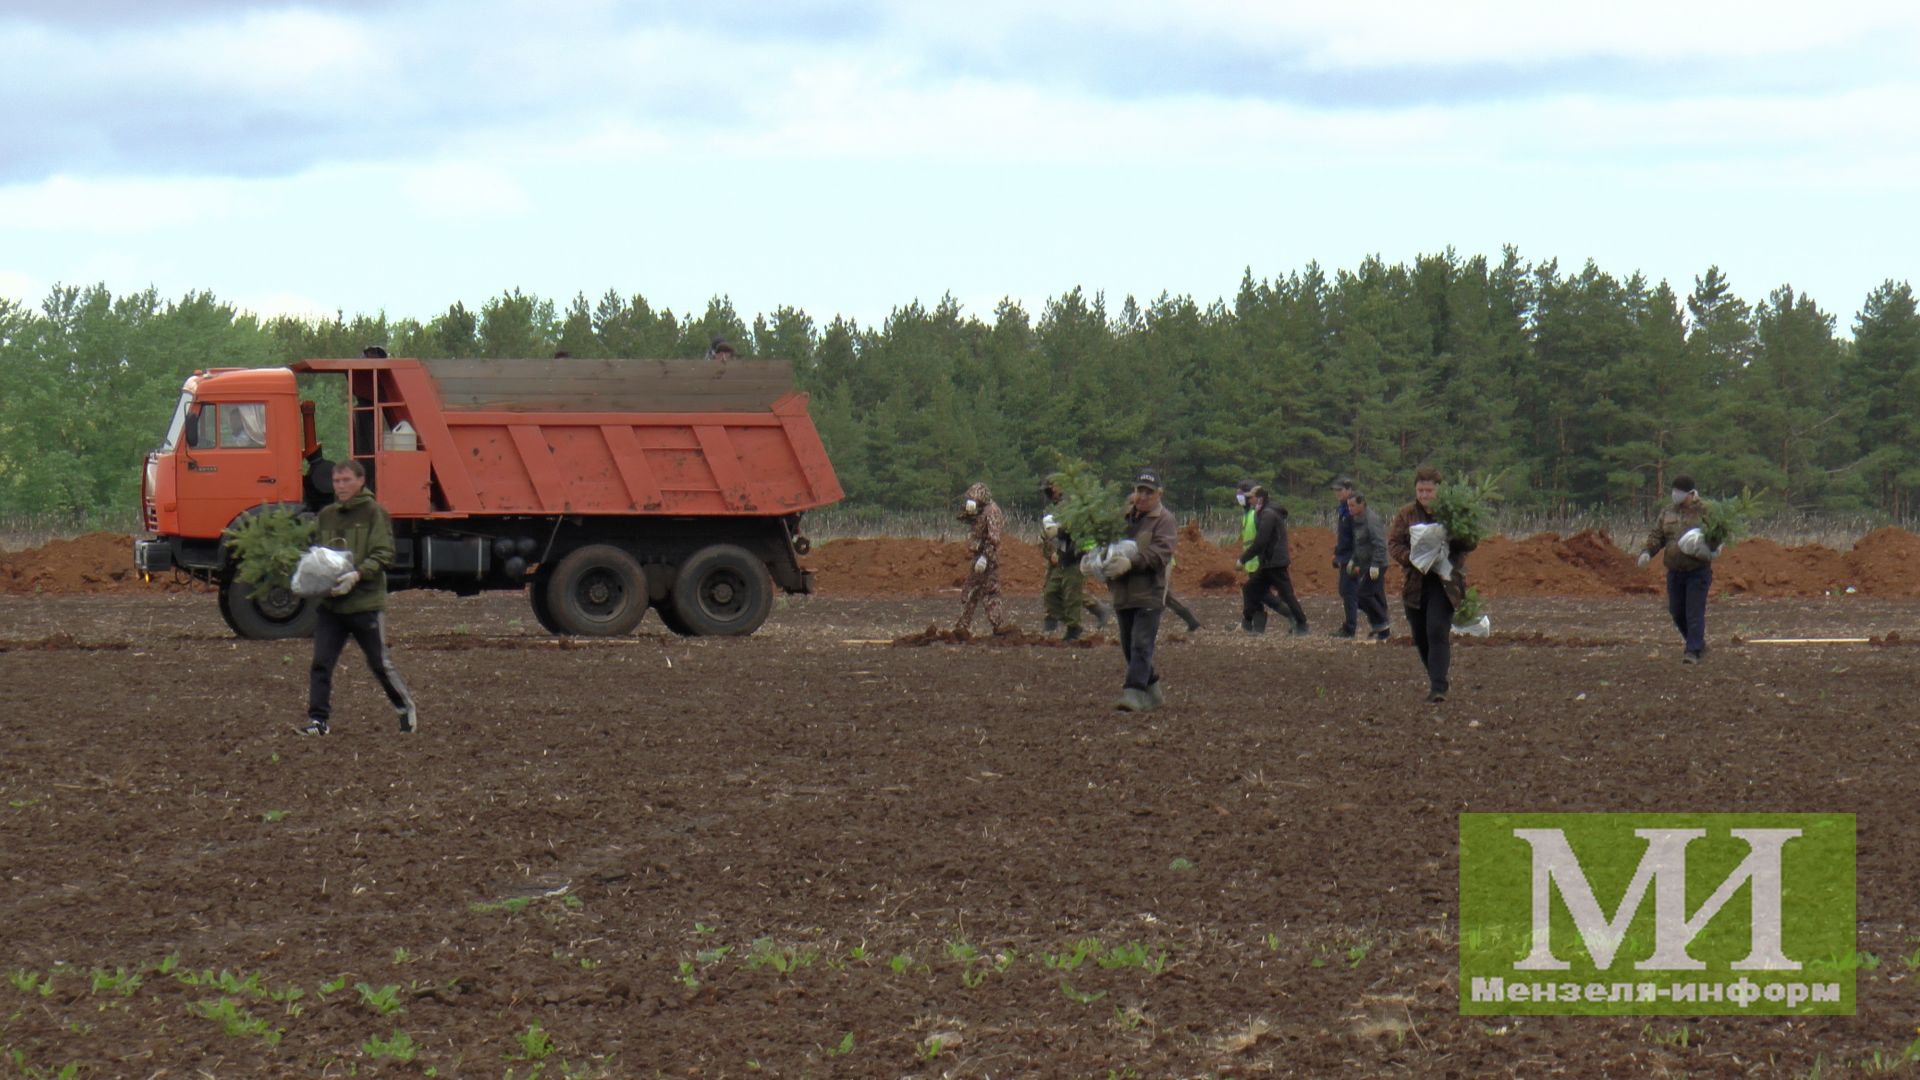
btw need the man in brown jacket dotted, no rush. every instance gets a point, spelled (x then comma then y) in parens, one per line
(1139, 588)
(1428, 598)
(1689, 577)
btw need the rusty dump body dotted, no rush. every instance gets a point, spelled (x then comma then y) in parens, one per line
(601, 486)
(579, 436)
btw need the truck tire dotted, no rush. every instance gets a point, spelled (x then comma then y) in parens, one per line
(265, 614)
(722, 590)
(542, 614)
(670, 618)
(597, 591)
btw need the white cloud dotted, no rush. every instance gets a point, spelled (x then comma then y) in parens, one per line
(91, 206)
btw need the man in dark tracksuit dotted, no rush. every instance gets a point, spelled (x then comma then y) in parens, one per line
(1266, 559)
(1689, 577)
(1342, 555)
(1140, 592)
(1366, 565)
(357, 608)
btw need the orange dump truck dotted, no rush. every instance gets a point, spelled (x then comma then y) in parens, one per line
(600, 487)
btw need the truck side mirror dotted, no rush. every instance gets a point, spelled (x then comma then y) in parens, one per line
(191, 432)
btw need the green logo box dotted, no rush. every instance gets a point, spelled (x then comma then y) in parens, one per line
(1657, 914)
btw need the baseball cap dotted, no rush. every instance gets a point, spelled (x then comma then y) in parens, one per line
(1148, 479)
(1344, 483)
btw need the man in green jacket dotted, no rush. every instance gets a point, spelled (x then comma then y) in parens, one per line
(1140, 592)
(357, 608)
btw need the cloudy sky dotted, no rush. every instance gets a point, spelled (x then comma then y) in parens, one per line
(853, 155)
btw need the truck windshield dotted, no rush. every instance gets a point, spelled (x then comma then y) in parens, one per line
(179, 422)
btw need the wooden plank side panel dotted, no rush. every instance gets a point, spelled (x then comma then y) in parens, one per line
(568, 384)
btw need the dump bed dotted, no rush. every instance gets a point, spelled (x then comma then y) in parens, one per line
(582, 436)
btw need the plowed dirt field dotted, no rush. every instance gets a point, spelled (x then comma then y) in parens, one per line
(811, 853)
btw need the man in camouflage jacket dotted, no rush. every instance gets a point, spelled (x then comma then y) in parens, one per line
(983, 543)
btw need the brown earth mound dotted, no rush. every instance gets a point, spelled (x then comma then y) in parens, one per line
(1886, 562)
(93, 563)
(1761, 567)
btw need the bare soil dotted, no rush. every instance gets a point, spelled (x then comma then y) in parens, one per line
(722, 858)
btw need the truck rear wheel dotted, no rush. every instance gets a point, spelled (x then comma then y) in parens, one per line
(597, 591)
(266, 614)
(542, 614)
(722, 590)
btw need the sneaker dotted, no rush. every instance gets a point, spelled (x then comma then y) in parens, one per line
(1050, 625)
(1072, 634)
(409, 719)
(1343, 632)
(1193, 626)
(1156, 697)
(1132, 700)
(1436, 697)
(1690, 658)
(314, 727)
(1300, 630)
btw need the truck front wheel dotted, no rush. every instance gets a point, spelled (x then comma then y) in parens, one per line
(722, 590)
(264, 613)
(596, 591)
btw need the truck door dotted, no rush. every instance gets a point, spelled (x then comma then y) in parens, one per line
(229, 464)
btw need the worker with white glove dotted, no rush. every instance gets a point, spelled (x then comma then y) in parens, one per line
(1140, 591)
(1689, 572)
(978, 509)
(357, 525)
(1368, 566)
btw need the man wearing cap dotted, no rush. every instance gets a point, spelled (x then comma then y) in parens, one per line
(1266, 558)
(1689, 577)
(1254, 603)
(1064, 595)
(1343, 554)
(1139, 589)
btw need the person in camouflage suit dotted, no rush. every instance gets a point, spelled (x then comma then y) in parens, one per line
(983, 543)
(1064, 593)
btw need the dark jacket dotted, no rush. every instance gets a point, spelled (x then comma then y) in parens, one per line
(1369, 546)
(1145, 586)
(1269, 543)
(361, 527)
(1669, 527)
(1342, 536)
(1399, 547)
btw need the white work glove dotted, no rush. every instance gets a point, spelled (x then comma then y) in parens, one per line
(1049, 526)
(1373, 573)
(346, 583)
(1645, 558)
(980, 565)
(1118, 566)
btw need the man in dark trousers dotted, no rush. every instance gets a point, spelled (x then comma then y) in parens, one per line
(1429, 598)
(1366, 565)
(1342, 555)
(1689, 577)
(1266, 558)
(357, 608)
(1139, 588)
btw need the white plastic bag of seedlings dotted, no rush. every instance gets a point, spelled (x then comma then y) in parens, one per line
(320, 569)
(1479, 627)
(1694, 542)
(1427, 548)
(1095, 563)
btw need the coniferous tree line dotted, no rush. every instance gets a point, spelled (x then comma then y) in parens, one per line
(1588, 390)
